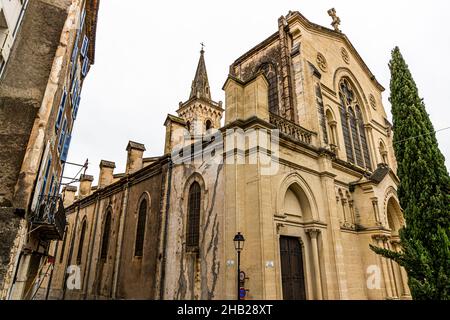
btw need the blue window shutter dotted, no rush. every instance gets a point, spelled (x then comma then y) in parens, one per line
(75, 92)
(66, 148)
(84, 70)
(61, 109)
(83, 17)
(47, 170)
(84, 46)
(62, 135)
(75, 109)
(75, 50)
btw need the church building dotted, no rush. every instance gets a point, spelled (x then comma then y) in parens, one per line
(298, 160)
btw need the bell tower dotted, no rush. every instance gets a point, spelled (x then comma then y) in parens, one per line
(200, 112)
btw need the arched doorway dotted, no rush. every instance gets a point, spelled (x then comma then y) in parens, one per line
(292, 258)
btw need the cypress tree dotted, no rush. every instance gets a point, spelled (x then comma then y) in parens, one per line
(424, 190)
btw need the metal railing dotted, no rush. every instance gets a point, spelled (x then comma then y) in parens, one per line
(50, 216)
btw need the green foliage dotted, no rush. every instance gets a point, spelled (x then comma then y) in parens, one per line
(424, 190)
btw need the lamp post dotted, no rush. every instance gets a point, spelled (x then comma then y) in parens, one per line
(238, 245)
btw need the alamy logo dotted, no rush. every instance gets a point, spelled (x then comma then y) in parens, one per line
(234, 146)
(373, 277)
(73, 280)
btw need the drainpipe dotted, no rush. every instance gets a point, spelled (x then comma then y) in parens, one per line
(120, 241)
(70, 252)
(166, 226)
(91, 246)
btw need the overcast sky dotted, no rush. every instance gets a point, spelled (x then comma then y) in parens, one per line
(147, 53)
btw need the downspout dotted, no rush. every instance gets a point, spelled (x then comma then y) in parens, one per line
(166, 226)
(91, 246)
(69, 259)
(120, 241)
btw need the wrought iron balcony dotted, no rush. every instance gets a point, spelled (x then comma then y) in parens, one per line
(291, 129)
(49, 219)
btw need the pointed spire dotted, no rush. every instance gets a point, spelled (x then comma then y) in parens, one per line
(200, 85)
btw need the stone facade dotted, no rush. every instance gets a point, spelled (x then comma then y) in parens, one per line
(39, 97)
(303, 167)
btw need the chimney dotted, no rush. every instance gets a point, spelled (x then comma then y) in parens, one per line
(85, 185)
(69, 195)
(135, 154)
(106, 173)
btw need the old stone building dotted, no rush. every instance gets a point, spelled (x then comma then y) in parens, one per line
(50, 48)
(301, 164)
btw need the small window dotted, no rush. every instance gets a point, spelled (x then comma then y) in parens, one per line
(193, 217)
(81, 242)
(140, 230)
(188, 126)
(208, 125)
(105, 238)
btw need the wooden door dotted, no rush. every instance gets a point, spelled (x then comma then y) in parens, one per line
(293, 278)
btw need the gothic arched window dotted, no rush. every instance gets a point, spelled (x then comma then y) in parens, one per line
(363, 138)
(271, 75)
(208, 125)
(81, 242)
(193, 217)
(105, 237)
(383, 153)
(353, 127)
(140, 230)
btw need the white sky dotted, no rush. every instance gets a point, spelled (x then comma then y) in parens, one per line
(147, 53)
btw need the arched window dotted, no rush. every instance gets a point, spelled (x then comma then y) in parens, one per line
(383, 153)
(271, 75)
(362, 137)
(105, 237)
(188, 126)
(355, 138)
(208, 125)
(140, 230)
(193, 217)
(353, 127)
(81, 242)
(331, 128)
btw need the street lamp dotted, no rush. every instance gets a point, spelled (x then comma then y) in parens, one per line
(238, 245)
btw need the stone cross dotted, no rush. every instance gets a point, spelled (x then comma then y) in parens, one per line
(336, 20)
(203, 45)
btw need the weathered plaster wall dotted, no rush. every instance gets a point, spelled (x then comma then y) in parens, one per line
(192, 276)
